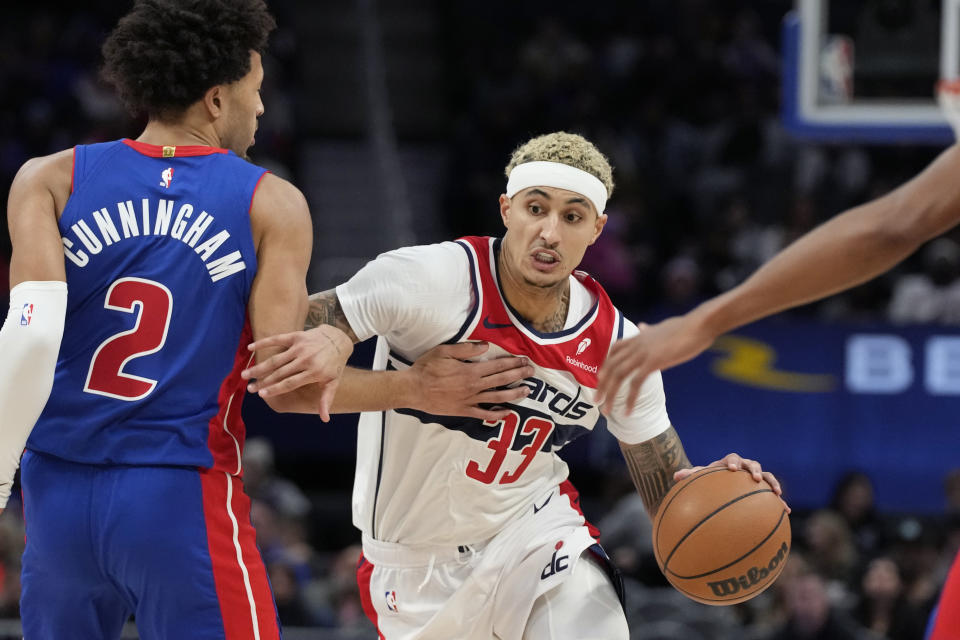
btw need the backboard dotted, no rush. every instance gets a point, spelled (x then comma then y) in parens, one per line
(865, 70)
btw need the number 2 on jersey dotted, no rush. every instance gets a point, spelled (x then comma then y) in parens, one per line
(502, 443)
(153, 304)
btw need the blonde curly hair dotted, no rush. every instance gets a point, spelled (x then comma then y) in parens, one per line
(566, 148)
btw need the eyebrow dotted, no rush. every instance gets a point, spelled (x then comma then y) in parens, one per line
(539, 192)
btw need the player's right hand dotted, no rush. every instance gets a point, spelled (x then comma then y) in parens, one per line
(446, 384)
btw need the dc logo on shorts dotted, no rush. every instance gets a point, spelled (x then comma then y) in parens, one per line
(392, 601)
(26, 315)
(557, 563)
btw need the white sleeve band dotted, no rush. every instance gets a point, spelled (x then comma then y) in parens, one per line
(29, 346)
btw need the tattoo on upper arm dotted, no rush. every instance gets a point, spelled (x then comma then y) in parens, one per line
(652, 464)
(325, 309)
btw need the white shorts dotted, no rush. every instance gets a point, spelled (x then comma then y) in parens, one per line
(479, 592)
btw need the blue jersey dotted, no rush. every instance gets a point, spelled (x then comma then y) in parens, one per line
(159, 262)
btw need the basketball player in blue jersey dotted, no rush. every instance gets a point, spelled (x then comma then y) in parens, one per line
(849, 249)
(471, 529)
(140, 271)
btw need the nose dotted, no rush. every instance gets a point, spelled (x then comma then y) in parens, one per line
(550, 229)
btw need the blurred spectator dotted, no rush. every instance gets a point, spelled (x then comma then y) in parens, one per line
(951, 489)
(932, 296)
(282, 539)
(291, 608)
(627, 534)
(831, 551)
(11, 548)
(914, 546)
(553, 55)
(680, 285)
(338, 593)
(610, 258)
(261, 482)
(810, 615)
(749, 55)
(853, 500)
(883, 608)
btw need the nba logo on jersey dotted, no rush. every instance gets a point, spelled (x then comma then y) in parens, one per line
(166, 177)
(583, 345)
(392, 601)
(26, 315)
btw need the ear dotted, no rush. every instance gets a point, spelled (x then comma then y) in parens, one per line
(598, 227)
(213, 101)
(505, 210)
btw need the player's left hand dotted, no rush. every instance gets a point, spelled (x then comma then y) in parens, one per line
(734, 462)
(315, 356)
(659, 346)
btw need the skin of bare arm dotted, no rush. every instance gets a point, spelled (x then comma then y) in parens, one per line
(278, 298)
(37, 196)
(439, 382)
(847, 250)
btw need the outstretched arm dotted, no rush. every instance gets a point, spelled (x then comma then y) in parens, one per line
(847, 250)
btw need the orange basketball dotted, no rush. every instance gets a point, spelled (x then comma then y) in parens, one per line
(720, 537)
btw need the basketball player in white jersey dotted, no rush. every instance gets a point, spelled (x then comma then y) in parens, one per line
(470, 526)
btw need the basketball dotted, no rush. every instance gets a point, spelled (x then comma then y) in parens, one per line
(720, 537)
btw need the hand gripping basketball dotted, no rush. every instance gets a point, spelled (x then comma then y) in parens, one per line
(948, 97)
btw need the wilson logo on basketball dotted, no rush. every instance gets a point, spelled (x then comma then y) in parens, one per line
(754, 575)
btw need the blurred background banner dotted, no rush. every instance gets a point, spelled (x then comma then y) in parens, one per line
(812, 400)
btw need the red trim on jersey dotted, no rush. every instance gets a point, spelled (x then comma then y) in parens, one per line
(252, 195)
(495, 326)
(180, 151)
(222, 518)
(227, 431)
(947, 624)
(23, 513)
(364, 573)
(73, 168)
(567, 489)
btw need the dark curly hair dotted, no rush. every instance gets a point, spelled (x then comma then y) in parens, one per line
(165, 54)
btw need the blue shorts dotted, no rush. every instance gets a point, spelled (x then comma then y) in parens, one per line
(171, 545)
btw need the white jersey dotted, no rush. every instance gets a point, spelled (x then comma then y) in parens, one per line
(423, 479)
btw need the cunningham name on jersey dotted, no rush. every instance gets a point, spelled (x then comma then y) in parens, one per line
(89, 235)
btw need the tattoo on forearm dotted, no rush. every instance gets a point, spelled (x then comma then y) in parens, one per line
(325, 309)
(652, 464)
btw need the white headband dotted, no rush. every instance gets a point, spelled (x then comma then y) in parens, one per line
(559, 175)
